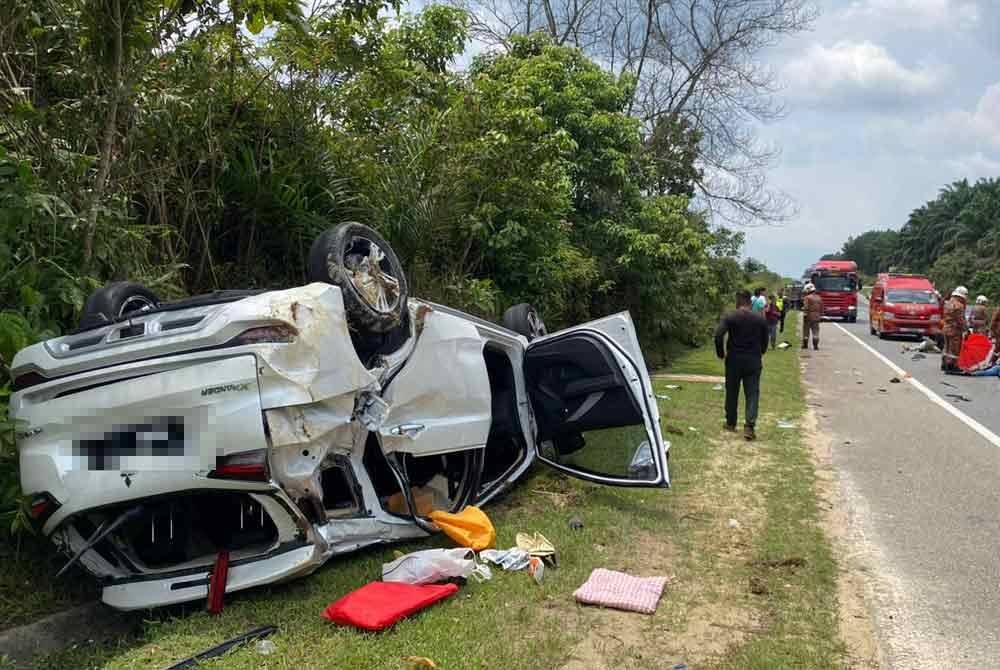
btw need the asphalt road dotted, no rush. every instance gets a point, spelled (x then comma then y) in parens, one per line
(922, 489)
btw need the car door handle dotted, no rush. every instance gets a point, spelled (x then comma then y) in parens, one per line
(411, 430)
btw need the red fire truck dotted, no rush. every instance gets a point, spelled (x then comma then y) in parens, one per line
(837, 284)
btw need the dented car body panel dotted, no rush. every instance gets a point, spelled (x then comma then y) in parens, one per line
(253, 426)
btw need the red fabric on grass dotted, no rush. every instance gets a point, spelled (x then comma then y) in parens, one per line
(975, 349)
(378, 605)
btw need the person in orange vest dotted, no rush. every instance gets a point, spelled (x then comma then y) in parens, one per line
(979, 319)
(953, 326)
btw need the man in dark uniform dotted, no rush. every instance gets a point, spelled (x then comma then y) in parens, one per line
(743, 353)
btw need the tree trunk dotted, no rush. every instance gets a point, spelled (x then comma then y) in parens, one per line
(107, 141)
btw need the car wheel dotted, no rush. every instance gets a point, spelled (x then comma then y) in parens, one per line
(114, 301)
(871, 329)
(365, 268)
(524, 320)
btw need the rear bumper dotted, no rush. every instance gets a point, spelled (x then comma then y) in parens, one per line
(282, 564)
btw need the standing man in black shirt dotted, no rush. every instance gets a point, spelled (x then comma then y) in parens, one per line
(743, 353)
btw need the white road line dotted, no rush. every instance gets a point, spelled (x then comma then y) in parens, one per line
(990, 436)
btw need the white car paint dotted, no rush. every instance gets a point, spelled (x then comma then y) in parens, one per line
(299, 400)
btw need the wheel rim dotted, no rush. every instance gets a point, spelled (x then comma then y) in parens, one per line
(535, 325)
(136, 303)
(371, 274)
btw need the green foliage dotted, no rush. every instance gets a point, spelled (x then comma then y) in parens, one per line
(873, 251)
(215, 162)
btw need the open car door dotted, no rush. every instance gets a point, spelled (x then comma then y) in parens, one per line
(594, 407)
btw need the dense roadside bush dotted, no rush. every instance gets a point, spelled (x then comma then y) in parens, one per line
(184, 146)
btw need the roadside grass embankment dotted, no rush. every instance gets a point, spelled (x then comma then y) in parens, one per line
(754, 581)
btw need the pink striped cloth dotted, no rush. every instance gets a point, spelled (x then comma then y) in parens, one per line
(621, 591)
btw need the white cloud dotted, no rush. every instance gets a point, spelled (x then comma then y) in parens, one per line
(949, 133)
(849, 72)
(918, 14)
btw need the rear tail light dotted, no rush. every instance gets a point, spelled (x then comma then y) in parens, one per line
(245, 465)
(41, 507)
(264, 334)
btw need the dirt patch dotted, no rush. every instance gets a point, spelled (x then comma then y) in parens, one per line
(706, 379)
(856, 624)
(707, 609)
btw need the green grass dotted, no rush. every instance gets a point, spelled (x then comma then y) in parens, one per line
(27, 589)
(512, 623)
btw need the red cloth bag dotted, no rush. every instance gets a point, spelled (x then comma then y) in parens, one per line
(975, 349)
(378, 605)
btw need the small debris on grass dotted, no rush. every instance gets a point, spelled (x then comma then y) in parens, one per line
(673, 430)
(266, 647)
(895, 380)
(663, 396)
(733, 523)
(576, 523)
(785, 424)
(692, 429)
(717, 387)
(784, 345)
(758, 585)
(418, 662)
(672, 387)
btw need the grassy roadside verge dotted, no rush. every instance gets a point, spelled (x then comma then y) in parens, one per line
(757, 593)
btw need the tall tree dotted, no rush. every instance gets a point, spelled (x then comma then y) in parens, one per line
(696, 62)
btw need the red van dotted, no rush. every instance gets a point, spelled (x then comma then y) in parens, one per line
(904, 304)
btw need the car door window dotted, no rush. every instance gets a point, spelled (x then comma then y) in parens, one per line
(592, 407)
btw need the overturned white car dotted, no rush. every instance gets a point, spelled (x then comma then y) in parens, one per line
(287, 426)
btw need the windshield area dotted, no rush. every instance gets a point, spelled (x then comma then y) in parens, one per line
(842, 284)
(912, 296)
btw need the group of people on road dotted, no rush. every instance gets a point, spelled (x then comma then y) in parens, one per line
(958, 320)
(743, 337)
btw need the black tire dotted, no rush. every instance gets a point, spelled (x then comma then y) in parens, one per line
(523, 319)
(114, 301)
(852, 319)
(871, 329)
(337, 257)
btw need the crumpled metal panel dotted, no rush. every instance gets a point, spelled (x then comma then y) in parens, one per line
(321, 363)
(440, 401)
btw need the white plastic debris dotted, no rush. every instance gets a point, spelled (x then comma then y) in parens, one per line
(785, 424)
(717, 387)
(266, 647)
(692, 429)
(733, 523)
(663, 396)
(672, 387)
(430, 565)
(514, 558)
(784, 345)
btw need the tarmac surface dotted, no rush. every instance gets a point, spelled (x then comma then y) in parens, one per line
(922, 489)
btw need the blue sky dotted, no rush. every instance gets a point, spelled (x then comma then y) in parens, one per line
(887, 101)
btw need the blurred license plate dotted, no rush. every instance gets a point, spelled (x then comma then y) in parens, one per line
(911, 330)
